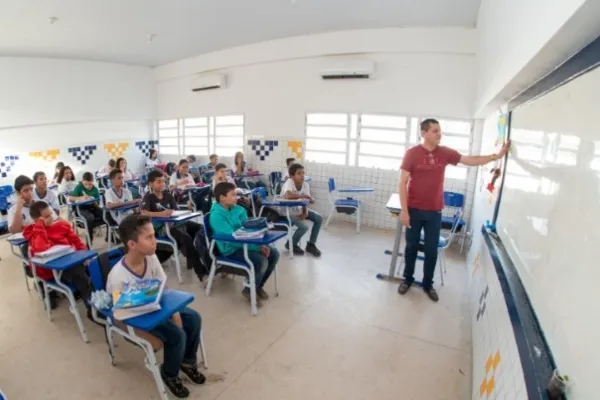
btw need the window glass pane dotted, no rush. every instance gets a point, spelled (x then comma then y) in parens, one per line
(353, 125)
(382, 135)
(379, 162)
(379, 149)
(196, 150)
(230, 120)
(326, 132)
(455, 142)
(321, 144)
(169, 142)
(202, 131)
(527, 136)
(227, 151)
(453, 172)
(230, 142)
(171, 150)
(415, 131)
(326, 158)
(167, 123)
(196, 141)
(383, 121)
(196, 121)
(230, 131)
(352, 154)
(162, 133)
(327, 119)
(455, 126)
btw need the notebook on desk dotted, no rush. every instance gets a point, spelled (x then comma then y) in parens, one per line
(137, 297)
(52, 253)
(179, 213)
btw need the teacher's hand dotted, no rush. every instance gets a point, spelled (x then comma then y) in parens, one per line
(405, 218)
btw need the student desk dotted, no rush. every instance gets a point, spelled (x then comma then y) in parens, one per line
(307, 179)
(269, 238)
(118, 209)
(393, 206)
(287, 204)
(170, 240)
(58, 266)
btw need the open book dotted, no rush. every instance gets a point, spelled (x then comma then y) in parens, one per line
(137, 297)
(179, 213)
(52, 253)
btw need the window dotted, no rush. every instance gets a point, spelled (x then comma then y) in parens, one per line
(202, 136)
(327, 138)
(382, 141)
(168, 136)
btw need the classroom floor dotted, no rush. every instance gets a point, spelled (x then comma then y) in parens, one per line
(335, 332)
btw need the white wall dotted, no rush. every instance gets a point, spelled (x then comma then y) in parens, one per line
(52, 104)
(520, 41)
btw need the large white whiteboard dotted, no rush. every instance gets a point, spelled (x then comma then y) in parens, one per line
(549, 221)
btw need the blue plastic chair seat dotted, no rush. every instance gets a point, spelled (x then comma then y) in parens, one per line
(230, 260)
(347, 202)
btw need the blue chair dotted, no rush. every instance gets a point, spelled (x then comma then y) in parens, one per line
(275, 183)
(244, 268)
(443, 243)
(79, 221)
(124, 330)
(348, 205)
(453, 202)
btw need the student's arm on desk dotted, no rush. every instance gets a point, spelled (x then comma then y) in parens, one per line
(404, 217)
(164, 213)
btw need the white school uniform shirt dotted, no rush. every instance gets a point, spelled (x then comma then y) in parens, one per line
(111, 196)
(25, 215)
(177, 179)
(227, 178)
(104, 170)
(50, 197)
(152, 163)
(290, 186)
(285, 174)
(67, 186)
(128, 175)
(120, 273)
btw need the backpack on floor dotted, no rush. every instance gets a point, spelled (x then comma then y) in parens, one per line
(204, 255)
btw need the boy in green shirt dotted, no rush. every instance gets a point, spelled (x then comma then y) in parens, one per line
(225, 218)
(87, 190)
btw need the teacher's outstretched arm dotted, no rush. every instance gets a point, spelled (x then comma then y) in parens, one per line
(474, 161)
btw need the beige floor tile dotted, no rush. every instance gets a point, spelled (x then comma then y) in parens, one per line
(334, 332)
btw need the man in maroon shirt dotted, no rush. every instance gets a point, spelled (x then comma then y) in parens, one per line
(422, 199)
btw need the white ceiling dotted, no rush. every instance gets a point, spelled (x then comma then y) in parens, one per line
(117, 30)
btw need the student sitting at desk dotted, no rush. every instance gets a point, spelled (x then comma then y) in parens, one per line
(128, 175)
(180, 335)
(57, 169)
(18, 214)
(41, 192)
(161, 203)
(152, 159)
(118, 195)
(241, 171)
(285, 174)
(213, 160)
(87, 190)
(225, 218)
(293, 189)
(221, 175)
(66, 180)
(45, 233)
(182, 179)
(104, 171)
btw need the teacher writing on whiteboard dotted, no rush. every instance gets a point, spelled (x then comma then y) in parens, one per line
(422, 199)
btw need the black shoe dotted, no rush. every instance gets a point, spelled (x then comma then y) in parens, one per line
(297, 249)
(191, 371)
(403, 288)
(175, 386)
(312, 249)
(432, 294)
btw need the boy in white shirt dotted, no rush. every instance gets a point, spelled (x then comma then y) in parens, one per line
(182, 178)
(181, 333)
(41, 192)
(293, 189)
(221, 175)
(118, 195)
(18, 214)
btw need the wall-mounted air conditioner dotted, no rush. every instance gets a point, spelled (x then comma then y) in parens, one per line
(348, 69)
(208, 82)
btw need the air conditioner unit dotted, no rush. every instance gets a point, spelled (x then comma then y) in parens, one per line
(208, 82)
(349, 69)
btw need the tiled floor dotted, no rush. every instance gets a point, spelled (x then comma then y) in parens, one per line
(335, 332)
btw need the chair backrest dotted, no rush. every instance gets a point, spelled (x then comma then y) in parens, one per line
(109, 259)
(274, 178)
(206, 225)
(455, 223)
(453, 199)
(261, 191)
(331, 185)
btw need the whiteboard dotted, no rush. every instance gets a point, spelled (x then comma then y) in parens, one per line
(549, 221)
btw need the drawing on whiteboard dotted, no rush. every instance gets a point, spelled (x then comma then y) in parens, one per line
(489, 381)
(495, 175)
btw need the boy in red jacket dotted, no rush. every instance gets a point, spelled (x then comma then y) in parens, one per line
(45, 233)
